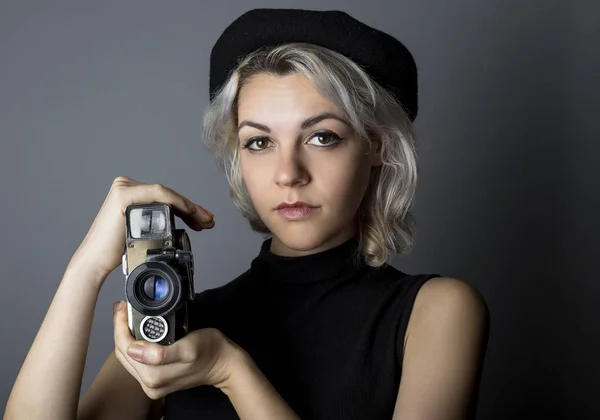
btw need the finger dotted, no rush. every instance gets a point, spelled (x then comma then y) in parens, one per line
(124, 180)
(152, 379)
(161, 380)
(118, 182)
(125, 361)
(152, 354)
(122, 335)
(196, 222)
(123, 338)
(194, 215)
(154, 383)
(139, 350)
(151, 373)
(186, 350)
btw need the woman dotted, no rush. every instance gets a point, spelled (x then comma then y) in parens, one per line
(320, 157)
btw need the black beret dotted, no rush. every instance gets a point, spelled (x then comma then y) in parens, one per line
(382, 56)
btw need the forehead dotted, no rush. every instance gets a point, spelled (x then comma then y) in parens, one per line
(268, 93)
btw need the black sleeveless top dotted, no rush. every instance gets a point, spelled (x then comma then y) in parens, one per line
(326, 330)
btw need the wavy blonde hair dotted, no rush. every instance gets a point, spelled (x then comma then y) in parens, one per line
(385, 223)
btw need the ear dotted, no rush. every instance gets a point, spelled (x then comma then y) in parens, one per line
(376, 152)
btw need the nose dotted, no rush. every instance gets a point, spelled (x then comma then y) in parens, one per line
(291, 170)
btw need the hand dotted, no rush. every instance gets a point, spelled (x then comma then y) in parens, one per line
(102, 248)
(202, 357)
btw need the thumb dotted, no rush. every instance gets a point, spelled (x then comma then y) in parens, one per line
(152, 354)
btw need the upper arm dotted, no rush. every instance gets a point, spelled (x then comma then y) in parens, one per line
(445, 344)
(115, 394)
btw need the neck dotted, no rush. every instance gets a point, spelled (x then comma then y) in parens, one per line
(334, 263)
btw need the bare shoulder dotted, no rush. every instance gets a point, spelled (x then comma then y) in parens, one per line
(449, 295)
(444, 351)
(448, 302)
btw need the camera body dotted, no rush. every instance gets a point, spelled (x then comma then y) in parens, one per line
(158, 265)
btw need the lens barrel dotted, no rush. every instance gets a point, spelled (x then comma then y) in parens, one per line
(154, 288)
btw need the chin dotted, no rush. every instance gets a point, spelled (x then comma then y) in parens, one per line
(303, 238)
(299, 239)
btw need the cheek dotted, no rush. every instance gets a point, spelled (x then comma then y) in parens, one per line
(346, 184)
(255, 177)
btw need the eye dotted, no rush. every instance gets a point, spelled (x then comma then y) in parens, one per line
(256, 144)
(325, 139)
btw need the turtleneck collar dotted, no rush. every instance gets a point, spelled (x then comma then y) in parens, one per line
(339, 261)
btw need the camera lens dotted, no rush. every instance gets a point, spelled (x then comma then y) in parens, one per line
(155, 288)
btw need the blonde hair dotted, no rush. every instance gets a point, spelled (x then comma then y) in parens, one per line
(386, 225)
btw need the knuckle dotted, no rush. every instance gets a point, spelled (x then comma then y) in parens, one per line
(159, 188)
(214, 333)
(119, 356)
(159, 354)
(119, 344)
(189, 353)
(120, 179)
(118, 190)
(152, 380)
(153, 394)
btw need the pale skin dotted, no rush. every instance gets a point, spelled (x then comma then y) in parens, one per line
(285, 161)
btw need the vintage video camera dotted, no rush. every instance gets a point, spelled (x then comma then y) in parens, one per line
(159, 274)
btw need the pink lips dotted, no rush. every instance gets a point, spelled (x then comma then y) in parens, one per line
(295, 211)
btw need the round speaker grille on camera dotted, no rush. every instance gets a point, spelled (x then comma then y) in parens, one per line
(154, 328)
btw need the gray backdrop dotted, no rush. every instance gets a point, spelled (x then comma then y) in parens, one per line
(508, 147)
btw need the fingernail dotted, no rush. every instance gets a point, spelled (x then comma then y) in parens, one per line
(119, 306)
(135, 350)
(116, 307)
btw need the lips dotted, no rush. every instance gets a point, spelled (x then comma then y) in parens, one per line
(296, 211)
(297, 204)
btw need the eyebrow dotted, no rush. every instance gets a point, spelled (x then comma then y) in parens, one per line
(305, 124)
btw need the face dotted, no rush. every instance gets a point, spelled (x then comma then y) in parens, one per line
(297, 147)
